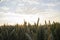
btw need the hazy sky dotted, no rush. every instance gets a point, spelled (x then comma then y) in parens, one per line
(14, 11)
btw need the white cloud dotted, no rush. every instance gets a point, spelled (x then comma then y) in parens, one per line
(3, 1)
(31, 1)
(4, 9)
(21, 7)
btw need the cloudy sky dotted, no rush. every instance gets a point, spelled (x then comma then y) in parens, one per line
(16, 11)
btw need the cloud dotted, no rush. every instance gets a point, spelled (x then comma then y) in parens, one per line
(16, 5)
(4, 9)
(44, 9)
(5, 0)
(31, 1)
(28, 6)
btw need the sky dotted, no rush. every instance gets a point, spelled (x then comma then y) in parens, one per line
(16, 11)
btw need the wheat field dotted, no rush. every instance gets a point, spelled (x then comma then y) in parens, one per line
(30, 32)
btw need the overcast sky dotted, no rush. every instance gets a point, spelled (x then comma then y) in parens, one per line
(16, 9)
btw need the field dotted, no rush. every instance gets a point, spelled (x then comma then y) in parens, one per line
(30, 32)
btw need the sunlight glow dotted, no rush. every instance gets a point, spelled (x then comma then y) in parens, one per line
(14, 18)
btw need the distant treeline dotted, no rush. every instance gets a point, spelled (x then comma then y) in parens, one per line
(30, 32)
